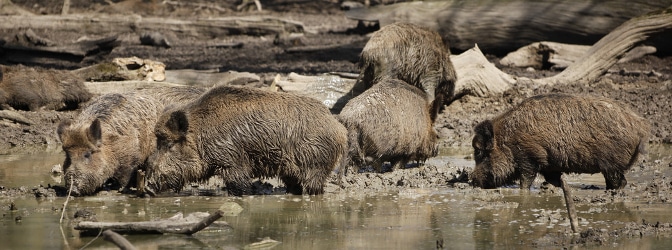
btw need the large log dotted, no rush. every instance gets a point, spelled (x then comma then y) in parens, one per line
(200, 27)
(73, 53)
(543, 55)
(124, 69)
(503, 26)
(608, 50)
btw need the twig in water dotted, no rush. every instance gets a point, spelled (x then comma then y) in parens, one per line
(66, 202)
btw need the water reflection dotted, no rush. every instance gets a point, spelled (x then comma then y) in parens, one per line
(411, 219)
(414, 219)
(29, 167)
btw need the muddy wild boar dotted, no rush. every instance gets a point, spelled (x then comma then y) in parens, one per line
(32, 89)
(553, 134)
(389, 122)
(413, 54)
(113, 136)
(242, 133)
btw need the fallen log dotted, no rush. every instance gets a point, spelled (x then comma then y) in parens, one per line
(209, 78)
(608, 50)
(9, 8)
(124, 69)
(15, 117)
(101, 88)
(212, 6)
(74, 53)
(215, 27)
(327, 88)
(476, 76)
(558, 56)
(177, 224)
(503, 26)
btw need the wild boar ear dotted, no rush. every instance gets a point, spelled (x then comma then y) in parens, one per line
(62, 126)
(178, 123)
(484, 133)
(95, 132)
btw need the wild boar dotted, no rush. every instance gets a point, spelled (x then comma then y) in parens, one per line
(389, 122)
(113, 135)
(32, 89)
(553, 134)
(242, 133)
(413, 54)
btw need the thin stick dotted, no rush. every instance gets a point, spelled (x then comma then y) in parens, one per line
(118, 240)
(66, 201)
(65, 240)
(569, 203)
(94, 239)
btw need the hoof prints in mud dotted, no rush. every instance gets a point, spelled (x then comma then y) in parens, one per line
(426, 176)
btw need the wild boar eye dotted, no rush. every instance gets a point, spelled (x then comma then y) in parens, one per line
(87, 154)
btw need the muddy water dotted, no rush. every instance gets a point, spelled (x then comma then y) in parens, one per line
(411, 219)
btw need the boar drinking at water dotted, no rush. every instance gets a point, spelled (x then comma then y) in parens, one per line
(553, 134)
(244, 133)
(113, 135)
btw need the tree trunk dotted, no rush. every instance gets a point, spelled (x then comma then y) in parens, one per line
(503, 26)
(544, 55)
(202, 27)
(608, 50)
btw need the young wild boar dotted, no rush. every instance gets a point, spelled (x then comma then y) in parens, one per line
(413, 54)
(245, 133)
(114, 135)
(389, 122)
(558, 133)
(34, 88)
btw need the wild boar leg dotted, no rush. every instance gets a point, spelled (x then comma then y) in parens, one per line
(398, 163)
(552, 178)
(238, 188)
(292, 185)
(527, 174)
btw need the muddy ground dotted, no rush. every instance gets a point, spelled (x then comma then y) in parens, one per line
(648, 94)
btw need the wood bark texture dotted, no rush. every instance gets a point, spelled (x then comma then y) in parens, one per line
(202, 27)
(503, 26)
(175, 225)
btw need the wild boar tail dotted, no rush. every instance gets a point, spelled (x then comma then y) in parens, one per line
(639, 150)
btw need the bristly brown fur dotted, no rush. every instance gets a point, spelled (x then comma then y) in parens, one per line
(113, 136)
(244, 133)
(34, 88)
(389, 122)
(413, 54)
(553, 134)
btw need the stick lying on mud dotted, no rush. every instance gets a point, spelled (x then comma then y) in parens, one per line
(15, 117)
(177, 224)
(569, 203)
